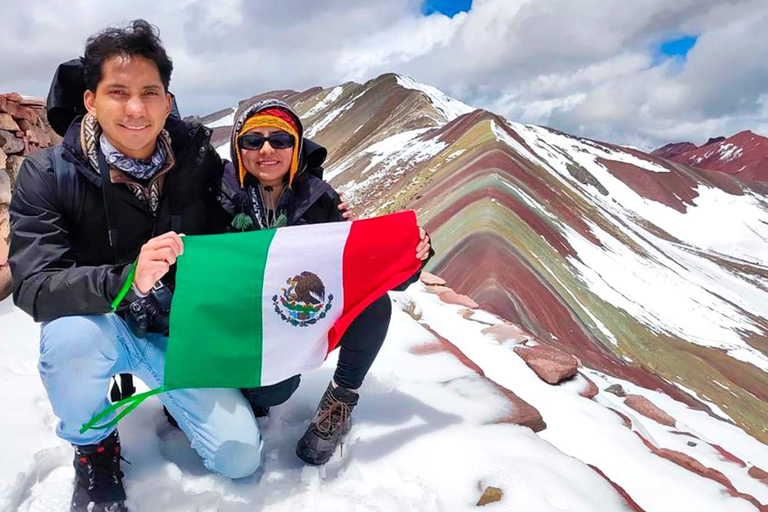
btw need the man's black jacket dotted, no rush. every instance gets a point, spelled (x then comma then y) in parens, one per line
(60, 255)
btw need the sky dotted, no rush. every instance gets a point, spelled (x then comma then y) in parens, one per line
(640, 73)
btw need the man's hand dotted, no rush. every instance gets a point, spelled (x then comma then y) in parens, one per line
(422, 250)
(344, 208)
(155, 259)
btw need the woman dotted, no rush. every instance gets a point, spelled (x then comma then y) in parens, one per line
(275, 181)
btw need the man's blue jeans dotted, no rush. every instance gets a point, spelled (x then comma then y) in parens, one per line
(80, 354)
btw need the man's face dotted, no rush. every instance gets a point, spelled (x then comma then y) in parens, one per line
(130, 104)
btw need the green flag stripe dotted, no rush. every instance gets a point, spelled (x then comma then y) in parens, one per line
(209, 275)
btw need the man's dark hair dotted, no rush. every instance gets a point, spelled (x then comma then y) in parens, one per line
(138, 38)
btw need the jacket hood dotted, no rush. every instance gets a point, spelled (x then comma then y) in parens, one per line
(246, 111)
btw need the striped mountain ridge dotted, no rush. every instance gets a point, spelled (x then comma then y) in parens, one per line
(647, 269)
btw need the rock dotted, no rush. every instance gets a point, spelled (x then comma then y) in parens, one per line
(633, 506)
(413, 310)
(550, 364)
(17, 111)
(466, 314)
(686, 461)
(5, 188)
(729, 456)
(649, 410)
(13, 96)
(491, 495)
(451, 297)
(3, 160)
(624, 417)
(506, 333)
(589, 389)
(37, 135)
(37, 103)
(10, 144)
(617, 390)
(437, 289)
(7, 123)
(25, 125)
(758, 474)
(13, 166)
(6, 281)
(519, 412)
(431, 279)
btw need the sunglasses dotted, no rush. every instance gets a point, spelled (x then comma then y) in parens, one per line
(280, 140)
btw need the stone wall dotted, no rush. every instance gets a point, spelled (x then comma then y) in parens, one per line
(23, 129)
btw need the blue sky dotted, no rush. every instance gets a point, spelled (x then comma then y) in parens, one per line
(677, 47)
(448, 7)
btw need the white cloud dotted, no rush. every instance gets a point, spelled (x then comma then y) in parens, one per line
(584, 66)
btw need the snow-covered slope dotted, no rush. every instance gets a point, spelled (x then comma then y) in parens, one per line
(431, 433)
(649, 270)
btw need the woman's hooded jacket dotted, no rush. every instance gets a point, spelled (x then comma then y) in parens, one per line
(309, 200)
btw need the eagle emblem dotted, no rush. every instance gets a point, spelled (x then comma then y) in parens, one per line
(303, 301)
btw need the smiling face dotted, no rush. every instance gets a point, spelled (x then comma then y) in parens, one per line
(268, 165)
(130, 104)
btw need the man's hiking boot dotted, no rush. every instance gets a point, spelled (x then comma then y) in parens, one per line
(98, 478)
(332, 421)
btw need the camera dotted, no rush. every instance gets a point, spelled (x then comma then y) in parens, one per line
(150, 313)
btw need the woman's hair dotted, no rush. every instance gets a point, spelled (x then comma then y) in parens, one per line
(138, 38)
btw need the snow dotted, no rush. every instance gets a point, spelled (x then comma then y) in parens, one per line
(390, 158)
(223, 150)
(588, 431)
(670, 286)
(729, 152)
(317, 126)
(449, 107)
(424, 438)
(329, 98)
(227, 120)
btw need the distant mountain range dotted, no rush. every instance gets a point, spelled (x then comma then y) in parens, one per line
(744, 155)
(642, 266)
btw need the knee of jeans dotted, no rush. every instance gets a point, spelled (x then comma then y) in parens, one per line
(73, 337)
(238, 459)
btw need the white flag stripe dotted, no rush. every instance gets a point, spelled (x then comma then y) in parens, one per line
(289, 349)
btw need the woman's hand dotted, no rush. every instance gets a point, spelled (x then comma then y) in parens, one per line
(346, 214)
(422, 250)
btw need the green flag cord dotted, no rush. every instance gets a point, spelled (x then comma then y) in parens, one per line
(131, 402)
(126, 286)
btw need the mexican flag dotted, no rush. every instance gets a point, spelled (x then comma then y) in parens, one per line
(252, 309)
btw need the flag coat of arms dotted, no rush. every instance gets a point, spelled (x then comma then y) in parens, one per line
(253, 309)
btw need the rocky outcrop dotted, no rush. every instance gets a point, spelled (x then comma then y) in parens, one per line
(507, 333)
(519, 412)
(617, 390)
(758, 474)
(491, 495)
(23, 129)
(631, 504)
(550, 364)
(588, 388)
(451, 297)
(686, 461)
(649, 410)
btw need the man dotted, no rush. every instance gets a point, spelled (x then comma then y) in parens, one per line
(107, 204)
(96, 229)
